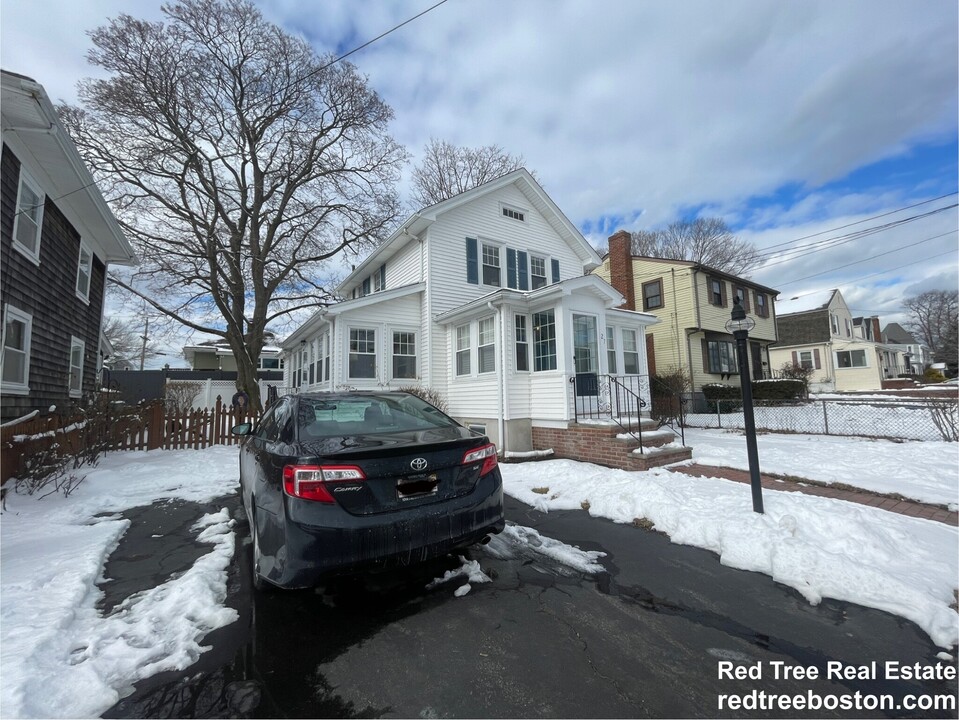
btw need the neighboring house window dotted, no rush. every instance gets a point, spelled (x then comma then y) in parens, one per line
(851, 359)
(463, 350)
(522, 343)
(491, 274)
(17, 329)
(849, 328)
(611, 350)
(487, 347)
(270, 363)
(717, 292)
(805, 360)
(653, 295)
(29, 218)
(514, 214)
(834, 321)
(630, 352)
(362, 353)
(544, 341)
(84, 271)
(762, 309)
(537, 271)
(743, 296)
(404, 355)
(77, 348)
(721, 357)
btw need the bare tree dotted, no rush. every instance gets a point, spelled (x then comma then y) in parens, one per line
(179, 395)
(933, 318)
(126, 339)
(704, 240)
(447, 170)
(238, 161)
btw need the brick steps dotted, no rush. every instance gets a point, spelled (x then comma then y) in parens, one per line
(600, 444)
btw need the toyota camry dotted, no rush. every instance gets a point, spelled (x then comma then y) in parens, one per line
(337, 483)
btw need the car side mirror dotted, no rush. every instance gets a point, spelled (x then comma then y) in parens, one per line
(241, 429)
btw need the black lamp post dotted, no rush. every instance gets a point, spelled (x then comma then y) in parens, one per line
(739, 325)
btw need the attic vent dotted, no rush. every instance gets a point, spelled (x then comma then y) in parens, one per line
(514, 214)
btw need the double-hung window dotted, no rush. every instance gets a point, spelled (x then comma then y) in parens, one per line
(630, 352)
(487, 346)
(544, 341)
(463, 349)
(29, 218)
(611, 351)
(404, 354)
(537, 271)
(717, 292)
(522, 343)
(653, 295)
(84, 271)
(762, 310)
(491, 266)
(77, 348)
(743, 296)
(362, 353)
(834, 322)
(17, 329)
(849, 327)
(805, 359)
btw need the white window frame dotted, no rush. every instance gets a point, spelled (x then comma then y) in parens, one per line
(834, 323)
(489, 346)
(612, 363)
(76, 343)
(545, 347)
(394, 354)
(521, 342)
(483, 245)
(84, 295)
(349, 352)
(13, 313)
(26, 179)
(806, 360)
(633, 353)
(545, 275)
(849, 328)
(462, 346)
(865, 359)
(511, 212)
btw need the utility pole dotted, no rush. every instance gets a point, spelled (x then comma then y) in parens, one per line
(143, 349)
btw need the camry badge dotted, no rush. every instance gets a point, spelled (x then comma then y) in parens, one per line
(418, 464)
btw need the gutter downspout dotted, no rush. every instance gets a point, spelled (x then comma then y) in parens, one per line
(501, 421)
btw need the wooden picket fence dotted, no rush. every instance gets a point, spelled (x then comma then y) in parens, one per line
(146, 427)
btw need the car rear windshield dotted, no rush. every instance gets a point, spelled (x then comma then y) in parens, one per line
(319, 417)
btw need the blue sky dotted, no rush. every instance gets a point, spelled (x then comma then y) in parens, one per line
(786, 119)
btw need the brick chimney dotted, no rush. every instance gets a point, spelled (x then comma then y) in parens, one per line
(876, 334)
(621, 267)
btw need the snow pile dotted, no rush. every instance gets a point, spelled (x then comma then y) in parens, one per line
(923, 471)
(820, 547)
(519, 541)
(53, 552)
(471, 569)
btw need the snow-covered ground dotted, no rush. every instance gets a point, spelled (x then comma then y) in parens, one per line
(923, 471)
(52, 552)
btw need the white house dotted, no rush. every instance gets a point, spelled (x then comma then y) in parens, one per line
(485, 298)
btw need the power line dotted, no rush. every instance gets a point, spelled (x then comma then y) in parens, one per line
(871, 257)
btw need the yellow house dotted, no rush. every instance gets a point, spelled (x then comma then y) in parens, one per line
(693, 303)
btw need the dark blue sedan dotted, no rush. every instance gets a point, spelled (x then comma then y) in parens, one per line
(338, 483)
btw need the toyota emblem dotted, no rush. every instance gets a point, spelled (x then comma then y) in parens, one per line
(418, 464)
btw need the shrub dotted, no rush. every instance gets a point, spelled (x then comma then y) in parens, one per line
(179, 396)
(780, 390)
(931, 375)
(430, 395)
(790, 371)
(722, 398)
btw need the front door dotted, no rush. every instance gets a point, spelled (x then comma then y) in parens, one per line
(585, 354)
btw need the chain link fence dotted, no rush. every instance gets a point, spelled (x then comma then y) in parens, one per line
(901, 419)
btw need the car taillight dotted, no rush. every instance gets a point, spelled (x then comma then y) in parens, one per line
(309, 481)
(487, 454)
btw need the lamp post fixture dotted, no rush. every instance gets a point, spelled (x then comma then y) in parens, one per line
(739, 324)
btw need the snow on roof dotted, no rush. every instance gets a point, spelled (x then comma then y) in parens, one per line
(804, 303)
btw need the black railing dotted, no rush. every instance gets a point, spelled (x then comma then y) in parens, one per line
(626, 400)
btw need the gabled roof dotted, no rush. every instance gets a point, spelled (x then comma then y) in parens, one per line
(898, 335)
(692, 264)
(28, 115)
(807, 302)
(419, 221)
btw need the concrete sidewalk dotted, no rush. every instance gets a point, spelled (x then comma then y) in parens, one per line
(810, 487)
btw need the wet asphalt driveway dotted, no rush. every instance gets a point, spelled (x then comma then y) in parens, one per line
(640, 640)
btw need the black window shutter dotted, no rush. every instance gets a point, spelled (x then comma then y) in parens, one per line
(523, 271)
(366, 286)
(511, 268)
(383, 277)
(472, 262)
(555, 264)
